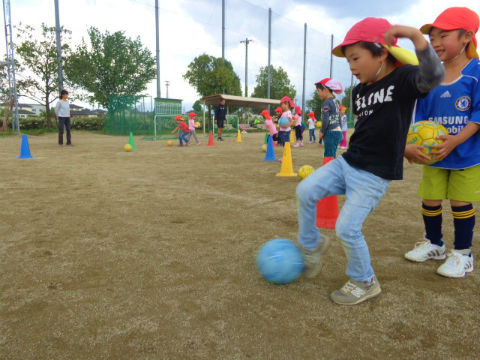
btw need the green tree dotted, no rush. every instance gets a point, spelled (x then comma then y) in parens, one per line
(40, 58)
(280, 85)
(315, 105)
(346, 99)
(209, 76)
(197, 106)
(112, 64)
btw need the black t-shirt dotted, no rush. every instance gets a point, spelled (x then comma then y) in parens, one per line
(220, 112)
(384, 111)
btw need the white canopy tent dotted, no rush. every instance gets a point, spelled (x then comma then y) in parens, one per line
(239, 101)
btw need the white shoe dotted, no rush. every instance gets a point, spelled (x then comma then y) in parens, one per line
(313, 259)
(456, 266)
(425, 250)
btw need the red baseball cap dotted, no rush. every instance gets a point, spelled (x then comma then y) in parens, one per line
(279, 109)
(192, 115)
(266, 114)
(178, 117)
(298, 110)
(456, 18)
(371, 30)
(342, 107)
(311, 114)
(287, 99)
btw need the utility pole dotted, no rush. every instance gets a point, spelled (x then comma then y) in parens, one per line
(246, 41)
(157, 36)
(223, 36)
(269, 51)
(331, 57)
(167, 84)
(59, 46)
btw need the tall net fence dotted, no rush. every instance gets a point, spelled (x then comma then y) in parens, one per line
(128, 114)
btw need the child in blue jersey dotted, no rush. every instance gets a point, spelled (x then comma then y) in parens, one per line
(384, 102)
(456, 176)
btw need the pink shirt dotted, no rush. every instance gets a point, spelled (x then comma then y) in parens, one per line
(272, 129)
(191, 124)
(298, 119)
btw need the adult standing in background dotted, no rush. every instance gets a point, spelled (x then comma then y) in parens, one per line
(62, 110)
(220, 116)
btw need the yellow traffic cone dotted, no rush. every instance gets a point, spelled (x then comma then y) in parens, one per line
(239, 136)
(292, 137)
(287, 166)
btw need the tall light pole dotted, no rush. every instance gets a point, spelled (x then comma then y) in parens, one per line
(59, 46)
(246, 41)
(157, 35)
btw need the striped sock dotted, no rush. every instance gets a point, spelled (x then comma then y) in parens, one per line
(432, 217)
(464, 222)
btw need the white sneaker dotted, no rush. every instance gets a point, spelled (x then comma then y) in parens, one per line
(456, 266)
(313, 259)
(425, 250)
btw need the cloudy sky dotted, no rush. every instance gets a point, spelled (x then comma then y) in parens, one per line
(189, 28)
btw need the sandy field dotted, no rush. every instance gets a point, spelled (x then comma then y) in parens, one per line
(106, 254)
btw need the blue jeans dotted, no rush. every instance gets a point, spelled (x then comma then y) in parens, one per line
(284, 137)
(183, 136)
(312, 135)
(364, 191)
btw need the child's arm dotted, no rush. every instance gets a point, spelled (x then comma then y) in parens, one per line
(431, 72)
(177, 128)
(450, 142)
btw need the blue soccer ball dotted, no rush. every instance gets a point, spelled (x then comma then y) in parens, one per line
(280, 261)
(283, 121)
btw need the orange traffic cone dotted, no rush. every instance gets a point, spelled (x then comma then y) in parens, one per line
(210, 140)
(327, 208)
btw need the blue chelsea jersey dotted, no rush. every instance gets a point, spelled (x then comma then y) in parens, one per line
(454, 105)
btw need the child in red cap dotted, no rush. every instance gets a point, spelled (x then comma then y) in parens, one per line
(344, 124)
(384, 101)
(182, 137)
(454, 104)
(298, 126)
(286, 120)
(311, 127)
(192, 127)
(269, 125)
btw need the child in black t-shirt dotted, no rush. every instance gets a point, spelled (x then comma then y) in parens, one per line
(384, 102)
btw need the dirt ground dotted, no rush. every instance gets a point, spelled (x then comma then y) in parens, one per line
(106, 254)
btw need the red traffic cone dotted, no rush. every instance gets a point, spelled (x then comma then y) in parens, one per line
(210, 140)
(327, 208)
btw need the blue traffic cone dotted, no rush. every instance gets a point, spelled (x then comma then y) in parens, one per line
(270, 153)
(25, 150)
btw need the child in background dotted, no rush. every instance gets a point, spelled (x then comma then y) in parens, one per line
(284, 132)
(269, 125)
(192, 127)
(457, 175)
(182, 137)
(298, 126)
(278, 113)
(331, 130)
(384, 102)
(311, 127)
(344, 123)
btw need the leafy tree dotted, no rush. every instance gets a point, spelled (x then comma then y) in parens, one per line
(315, 105)
(346, 99)
(112, 64)
(197, 106)
(40, 58)
(280, 85)
(209, 76)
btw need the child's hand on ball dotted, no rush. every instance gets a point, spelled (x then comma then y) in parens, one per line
(442, 150)
(414, 154)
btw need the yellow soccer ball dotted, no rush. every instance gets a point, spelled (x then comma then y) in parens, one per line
(318, 125)
(197, 124)
(170, 143)
(305, 171)
(425, 133)
(264, 148)
(127, 148)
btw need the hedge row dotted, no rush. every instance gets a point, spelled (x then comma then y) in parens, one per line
(78, 123)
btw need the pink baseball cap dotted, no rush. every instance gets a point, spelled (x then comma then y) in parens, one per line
(287, 99)
(192, 115)
(333, 85)
(371, 30)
